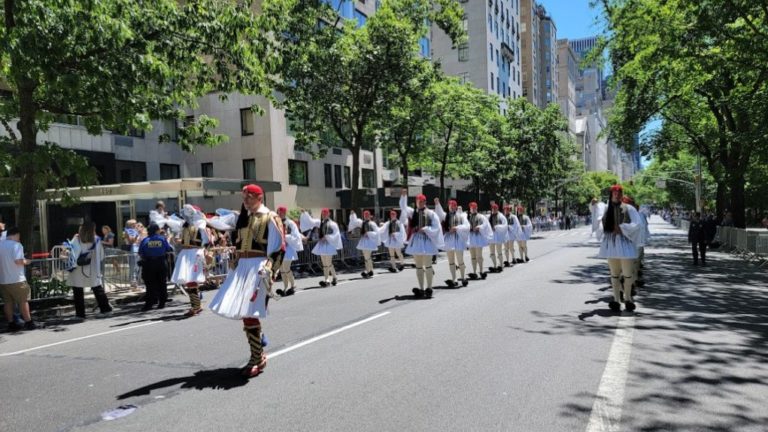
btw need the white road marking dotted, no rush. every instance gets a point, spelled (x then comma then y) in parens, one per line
(606, 411)
(325, 335)
(78, 339)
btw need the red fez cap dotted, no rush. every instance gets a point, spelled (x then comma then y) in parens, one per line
(617, 188)
(473, 205)
(366, 213)
(494, 206)
(452, 202)
(421, 197)
(283, 209)
(197, 208)
(253, 189)
(325, 211)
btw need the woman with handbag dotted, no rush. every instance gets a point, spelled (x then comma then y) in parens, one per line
(89, 251)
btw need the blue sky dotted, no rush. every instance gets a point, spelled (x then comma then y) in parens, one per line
(574, 18)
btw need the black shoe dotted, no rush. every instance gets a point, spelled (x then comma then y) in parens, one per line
(450, 283)
(434, 259)
(392, 270)
(323, 284)
(370, 274)
(334, 282)
(464, 282)
(30, 325)
(499, 269)
(473, 276)
(364, 275)
(418, 293)
(428, 293)
(615, 306)
(519, 260)
(280, 292)
(630, 306)
(400, 267)
(14, 327)
(527, 259)
(506, 263)
(483, 275)
(291, 291)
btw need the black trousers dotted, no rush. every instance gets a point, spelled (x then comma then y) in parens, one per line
(101, 299)
(155, 274)
(699, 248)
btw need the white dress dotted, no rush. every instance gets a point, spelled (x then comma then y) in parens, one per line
(624, 245)
(514, 231)
(244, 292)
(454, 240)
(396, 240)
(479, 239)
(90, 275)
(500, 231)
(330, 243)
(293, 241)
(190, 262)
(527, 228)
(428, 241)
(368, 241)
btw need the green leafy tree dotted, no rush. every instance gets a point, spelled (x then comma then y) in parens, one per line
(118, 64)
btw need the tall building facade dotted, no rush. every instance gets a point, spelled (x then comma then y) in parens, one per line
(491, 57)
(539, 45)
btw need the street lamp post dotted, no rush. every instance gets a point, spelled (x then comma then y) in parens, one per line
(698, 183)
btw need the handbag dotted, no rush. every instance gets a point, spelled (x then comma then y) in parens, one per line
(85, 258)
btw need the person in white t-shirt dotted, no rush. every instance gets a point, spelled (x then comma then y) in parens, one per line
(13, 282)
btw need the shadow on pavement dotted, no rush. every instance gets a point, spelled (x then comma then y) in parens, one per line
(216, 379)
(700, 352)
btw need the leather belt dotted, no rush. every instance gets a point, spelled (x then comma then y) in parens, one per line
(250, 254)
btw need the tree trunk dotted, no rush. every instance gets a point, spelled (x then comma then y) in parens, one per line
(738, 199)
(404, 163)
(355, 186)
(27, 192)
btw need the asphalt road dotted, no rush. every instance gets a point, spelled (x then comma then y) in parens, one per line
(531, 349)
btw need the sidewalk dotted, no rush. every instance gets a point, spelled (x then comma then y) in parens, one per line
(700, 351)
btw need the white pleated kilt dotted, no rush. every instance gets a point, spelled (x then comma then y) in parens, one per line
(455, 241)
(367, 243)
(513, 235)
(190, 267)
(391, 243)
(233, 300)
(421, 244)
(500, 237)
(527, 233)
(324, 248)
(477, 240)
(290, 254)
(617, 246)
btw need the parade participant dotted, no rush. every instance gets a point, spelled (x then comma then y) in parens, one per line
(425, 238)
(153, 252)
(642, 240)
(369, 239)
(392, 235)
(455, 238)
(597, 208)
(527, 231)
(498, 238)
(329, 242)
(189, 270)
(294, 243)
(480, 232)
(514, 233)
(245, 293)
(621, 228)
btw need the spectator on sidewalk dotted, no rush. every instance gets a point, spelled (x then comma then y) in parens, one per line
(108, 237)
(697, 237)
(90, 252)
(13, 282)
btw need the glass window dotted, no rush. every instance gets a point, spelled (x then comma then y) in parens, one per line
(171, 127)
(206, 169)
(369, 180)
(347, 177)
(298, 172)
(492, 80)
(246, 122)
(169, 171)
(490, 49)
(337, 176)
(249, 169)
(464, 52)
(328, 175)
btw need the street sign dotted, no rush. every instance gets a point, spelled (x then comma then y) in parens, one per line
(661, 184)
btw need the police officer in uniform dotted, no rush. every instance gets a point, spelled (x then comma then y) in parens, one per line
(153, 251)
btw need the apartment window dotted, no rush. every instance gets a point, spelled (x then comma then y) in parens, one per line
(189, 121)
(337, 176)
(169, 171)
(327, 169)
(348, 177)
(498, 84)
(249, 168)
(492, 80)
(337, 151)
(246, 122)
(490, 20)
(464, 52)
(490, 50)
(369, 180)
(171, 127)
(206, 169)
(298, 172)
(465, 23)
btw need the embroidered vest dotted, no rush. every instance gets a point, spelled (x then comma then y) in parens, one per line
(451, 221)
(474, 220)
(325, 228)
(419, 219)
(494, 219)
(510, 220)
(254, 235)
(365, 228)
(394, 227)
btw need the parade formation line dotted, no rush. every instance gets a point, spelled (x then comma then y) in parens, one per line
(77, 339)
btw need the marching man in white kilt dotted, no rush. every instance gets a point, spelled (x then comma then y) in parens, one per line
(527, 232)
(479, 232)
(622, 235)
(245, 293)
(189, 271)
(514, 233)
(425, 238)
(392, 235)
(328, 245)
(455, 238)
(499, 237)
(294, 243)
(369, 239)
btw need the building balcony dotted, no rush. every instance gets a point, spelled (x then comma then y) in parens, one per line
(507, 52)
